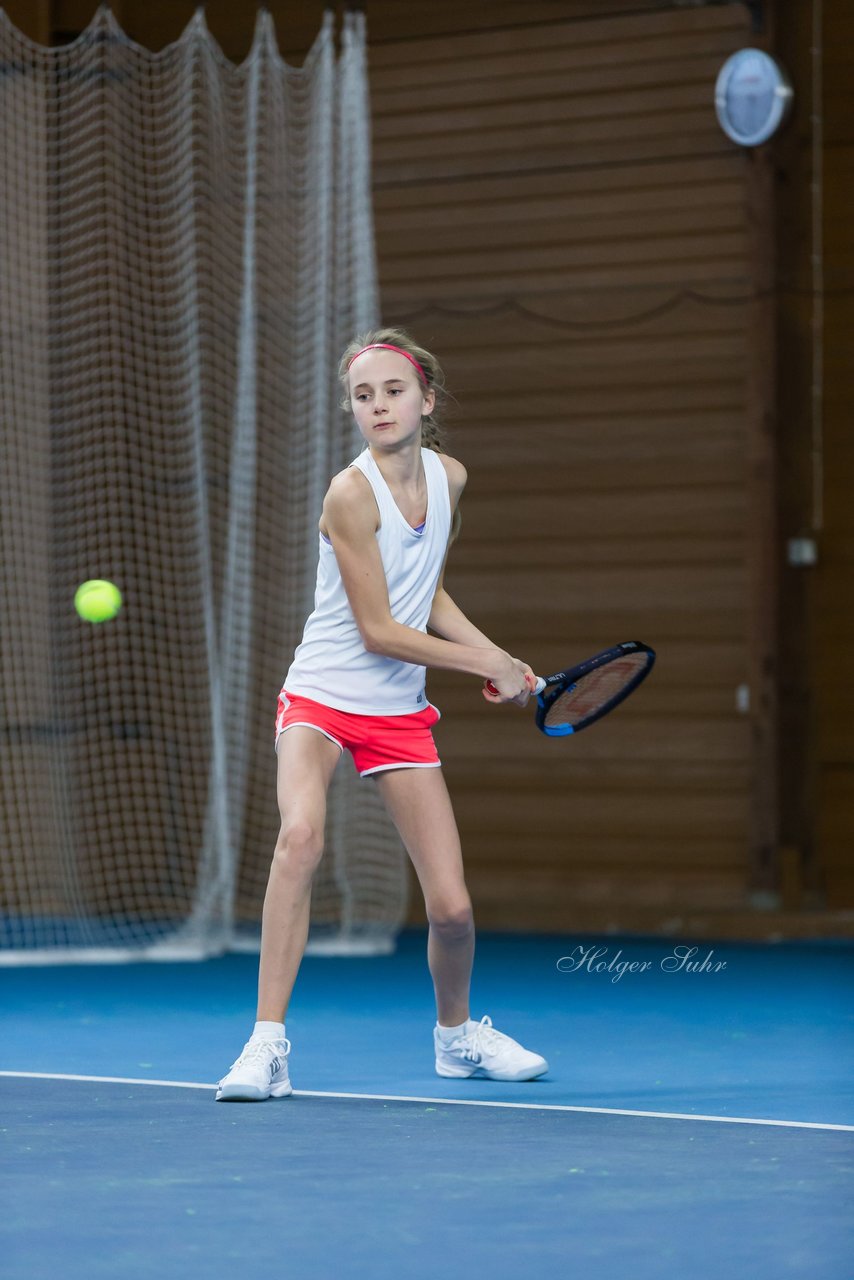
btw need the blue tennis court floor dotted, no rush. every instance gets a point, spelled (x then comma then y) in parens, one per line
(378, 1167)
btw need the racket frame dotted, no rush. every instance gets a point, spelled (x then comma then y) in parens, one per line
(561, 681)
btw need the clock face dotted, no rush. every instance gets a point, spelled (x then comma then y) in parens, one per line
(752, 97)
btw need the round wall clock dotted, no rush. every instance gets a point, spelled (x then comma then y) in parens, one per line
(753, 96)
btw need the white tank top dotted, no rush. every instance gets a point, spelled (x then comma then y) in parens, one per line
(332, 665)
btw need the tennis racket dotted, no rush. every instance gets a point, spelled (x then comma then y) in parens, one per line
(569, 701)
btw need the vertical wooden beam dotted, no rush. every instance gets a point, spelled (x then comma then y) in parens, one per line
(781, 479)
(833, 864)
(798, 506)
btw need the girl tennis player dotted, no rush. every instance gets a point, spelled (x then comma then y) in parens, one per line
(357, 684)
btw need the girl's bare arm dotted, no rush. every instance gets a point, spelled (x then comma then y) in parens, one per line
(350, 516)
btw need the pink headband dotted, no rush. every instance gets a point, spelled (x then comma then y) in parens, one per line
(388, 346)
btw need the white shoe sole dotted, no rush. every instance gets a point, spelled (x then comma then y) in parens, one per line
(460, 1073)
(250, 1093)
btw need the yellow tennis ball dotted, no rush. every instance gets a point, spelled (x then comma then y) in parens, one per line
(97, 600)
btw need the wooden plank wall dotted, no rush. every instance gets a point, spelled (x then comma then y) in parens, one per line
(815, 466)
(834, 597)
(560, 218)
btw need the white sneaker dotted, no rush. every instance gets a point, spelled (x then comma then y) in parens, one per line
(483, 1051)
(260, 1072)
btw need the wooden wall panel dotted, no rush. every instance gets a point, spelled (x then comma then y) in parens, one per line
(33, 17)
(815, 473)
(834, 596)
(565, 224)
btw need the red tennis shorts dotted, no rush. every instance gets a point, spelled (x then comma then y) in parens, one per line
(375, 742)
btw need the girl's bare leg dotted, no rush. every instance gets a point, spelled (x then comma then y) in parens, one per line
(307, 761)
(418, 803)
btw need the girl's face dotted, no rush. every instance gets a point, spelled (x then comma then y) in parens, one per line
(388, 398)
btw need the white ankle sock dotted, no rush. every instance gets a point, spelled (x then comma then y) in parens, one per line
(268, 1031)
(447, 1034)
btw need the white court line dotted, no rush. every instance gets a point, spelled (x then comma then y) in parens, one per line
(447, 1102)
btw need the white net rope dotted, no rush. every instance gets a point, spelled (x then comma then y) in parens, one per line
(186, 247)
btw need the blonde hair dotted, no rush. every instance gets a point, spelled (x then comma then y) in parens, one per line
(432, 432)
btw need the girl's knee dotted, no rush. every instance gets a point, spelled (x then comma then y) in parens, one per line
(299, 847)
(452, 919)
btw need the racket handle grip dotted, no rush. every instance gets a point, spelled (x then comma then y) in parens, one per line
(538, 687)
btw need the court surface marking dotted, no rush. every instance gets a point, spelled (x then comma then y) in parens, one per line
(447, 1102)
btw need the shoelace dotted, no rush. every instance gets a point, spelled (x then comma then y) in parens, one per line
(484, 1039)
(258, 1049)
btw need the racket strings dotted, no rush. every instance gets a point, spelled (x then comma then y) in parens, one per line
(593, 691)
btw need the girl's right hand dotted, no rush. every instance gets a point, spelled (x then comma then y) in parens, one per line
(514, 681)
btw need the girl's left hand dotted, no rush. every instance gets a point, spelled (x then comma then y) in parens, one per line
(521, 699)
